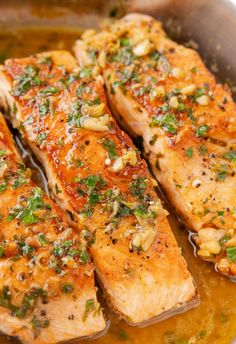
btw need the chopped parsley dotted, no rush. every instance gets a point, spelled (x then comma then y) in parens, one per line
(202, 334)
(225, 238)
(74, 119)
(81, 89)
(2, 152)
(1, 251)
(89, 307)
(190, 115)
(57, 189)
(79, 163)
(42, 239)
(168, 122)
(24, 82)
(122, 335)
(38, 324)
(85, 73)
(138, 187)
(141, 210)
(231, 254)
(203, 150)
(19, 181)
(222, 172)
(194, 70)
(40, 138)
(67, 288)
(83, 257)
(125, 42)
(26, 249)
(58, 251)
(92, 181)
(29, 120)
(123, 211)
(93, 198)
(21, 176)
(28, 302)
(3, 187)
(154, 55)
(47, 60)
(143, 90)
(49, 91)
(189, 152)
(230, 155)
(44, 108)
(124, 55)
(202, 130)
(124, 77)
(27, 213)
(111, 148)
(199, 92)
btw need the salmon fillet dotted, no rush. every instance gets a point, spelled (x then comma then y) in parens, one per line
(47, 291)
(99, 179)
(163, 92)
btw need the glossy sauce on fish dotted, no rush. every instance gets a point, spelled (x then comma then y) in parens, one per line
(214, 321)
(163, 92)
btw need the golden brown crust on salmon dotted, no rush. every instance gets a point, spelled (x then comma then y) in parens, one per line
(164, 93)
(98, 176)
(45, 284)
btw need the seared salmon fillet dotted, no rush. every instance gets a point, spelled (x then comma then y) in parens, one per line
(47, 291)
(163, 92)
(99, 179)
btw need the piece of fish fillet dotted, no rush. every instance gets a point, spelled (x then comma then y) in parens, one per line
(47, 291)
(97, 175)
(163, 92)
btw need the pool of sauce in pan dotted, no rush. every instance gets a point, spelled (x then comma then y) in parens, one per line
(214, 321)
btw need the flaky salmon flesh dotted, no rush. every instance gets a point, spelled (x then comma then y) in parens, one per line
(99, 179)
(163, 92)
(47, 291)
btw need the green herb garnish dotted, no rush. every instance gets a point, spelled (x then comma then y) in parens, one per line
(67, 288)
(138, 187)
(26, 214)
(189, 152)
(85, 73)
(111, 148)
(26, 249)
(231, 254)
(3, 187)
(49, 91)
(203, 150)
(89, 307)
(40, 138)
(125, 42)
(27, 80)
(230, 155)
(222, 172)
(83, 257)
(202, 130)
(168, 122)
(44, 108)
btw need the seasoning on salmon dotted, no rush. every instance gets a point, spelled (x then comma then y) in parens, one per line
(46, 274)
(163, 92)
(98, 177)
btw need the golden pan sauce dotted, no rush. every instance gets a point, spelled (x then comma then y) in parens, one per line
(214, 321)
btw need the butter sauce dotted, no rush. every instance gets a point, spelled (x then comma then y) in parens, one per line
(214, 321)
